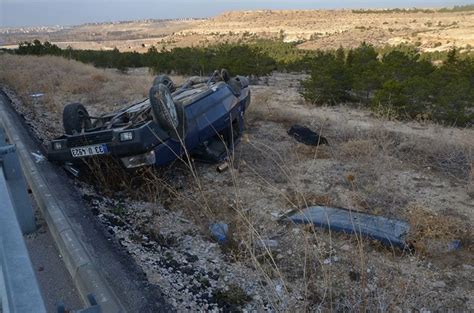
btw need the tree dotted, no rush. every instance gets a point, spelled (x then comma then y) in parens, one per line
(330, 81)
(365, 71)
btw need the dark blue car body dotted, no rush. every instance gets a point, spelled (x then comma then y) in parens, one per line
(214, 121)
(207, 117)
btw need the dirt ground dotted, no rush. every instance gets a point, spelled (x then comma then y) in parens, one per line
(312, 29)
(418, 172)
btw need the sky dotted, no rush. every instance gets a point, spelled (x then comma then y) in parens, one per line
(16, 13)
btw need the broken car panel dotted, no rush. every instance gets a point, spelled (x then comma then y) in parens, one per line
(388, 231)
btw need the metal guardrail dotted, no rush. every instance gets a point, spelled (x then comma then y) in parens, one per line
(19, 291)
(95, 291)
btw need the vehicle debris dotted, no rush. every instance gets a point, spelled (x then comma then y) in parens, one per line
(267, 244)
(204, 117)
(390, 232)
(38, 157)
(37, 98)
(36, 95)
(219, 232)
(223, 167)
(305, 135)
(454, 245)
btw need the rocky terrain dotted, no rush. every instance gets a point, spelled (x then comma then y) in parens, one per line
(418, 172)
(126, 35)
(329, 29)
(312, 29)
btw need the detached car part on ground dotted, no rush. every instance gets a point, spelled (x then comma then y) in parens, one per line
(204, 116)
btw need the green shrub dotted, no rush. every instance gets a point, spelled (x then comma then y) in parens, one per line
(396, 81)
(397, 84)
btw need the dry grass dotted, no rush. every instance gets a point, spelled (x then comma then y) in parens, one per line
(431, 233)
(324, 270)
(309, 264)
(454, 159)
(373, 170)
(64, 81)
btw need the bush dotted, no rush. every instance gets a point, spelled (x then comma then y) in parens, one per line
(241, 59)
(398, 84)
(329, 82)
(395, 81)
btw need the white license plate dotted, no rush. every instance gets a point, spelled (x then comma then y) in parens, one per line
(89, 150)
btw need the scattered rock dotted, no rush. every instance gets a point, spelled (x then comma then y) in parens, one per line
(191, 270)
(354, 276)
(439, 284)
(345, 247)
(279, 289)
(331, 260)
(267, 244)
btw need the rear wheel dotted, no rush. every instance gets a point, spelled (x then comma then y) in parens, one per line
(225, 75)
(75, 118)
(165, 80)
(168, 113)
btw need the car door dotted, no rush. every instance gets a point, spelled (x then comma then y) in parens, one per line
(212, 112)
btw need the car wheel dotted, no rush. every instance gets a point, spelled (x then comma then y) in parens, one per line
(75, 118)
(165, 80)
(166, 112)
(225, 75)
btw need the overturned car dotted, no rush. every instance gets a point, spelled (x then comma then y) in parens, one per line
(204, 118)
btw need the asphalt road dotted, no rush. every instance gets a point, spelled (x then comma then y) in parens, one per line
(125, 277)
(53, 278)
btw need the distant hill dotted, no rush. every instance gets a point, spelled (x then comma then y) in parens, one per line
(428, 29)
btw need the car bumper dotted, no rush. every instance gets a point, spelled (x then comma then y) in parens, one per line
(144, 139)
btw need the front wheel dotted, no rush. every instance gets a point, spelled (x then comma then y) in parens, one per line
(225, 75)
(165, 80)
(75, 118)
(166, 112)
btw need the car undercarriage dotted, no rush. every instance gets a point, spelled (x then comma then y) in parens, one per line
(203, 118)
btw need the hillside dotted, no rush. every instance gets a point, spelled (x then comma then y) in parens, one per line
(330, 29)
(126, 35)
(313, 29)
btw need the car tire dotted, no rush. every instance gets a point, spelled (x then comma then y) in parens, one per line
(225, 75)
(165, 80)
(75, 118)
(169, 114)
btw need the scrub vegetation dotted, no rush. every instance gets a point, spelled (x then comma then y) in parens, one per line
(417, 171)
(395, 82)
(456, 8)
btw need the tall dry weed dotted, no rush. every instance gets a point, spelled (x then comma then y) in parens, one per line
(64, 81)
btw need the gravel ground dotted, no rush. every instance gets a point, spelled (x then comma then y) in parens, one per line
(190, 268)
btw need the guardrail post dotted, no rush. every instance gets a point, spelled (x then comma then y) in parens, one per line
(16, 185)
